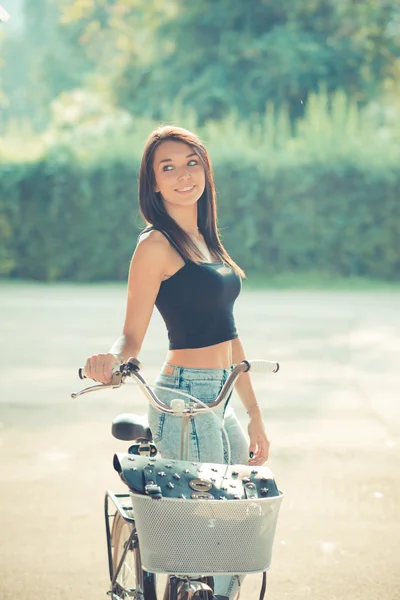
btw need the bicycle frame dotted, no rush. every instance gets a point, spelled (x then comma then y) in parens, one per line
(114, 498)
(146, 580)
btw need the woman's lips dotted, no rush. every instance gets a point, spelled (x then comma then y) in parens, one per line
(185, 190)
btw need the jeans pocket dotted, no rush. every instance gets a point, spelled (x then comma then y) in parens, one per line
(166, 391)
(206, 391)
(165, 381)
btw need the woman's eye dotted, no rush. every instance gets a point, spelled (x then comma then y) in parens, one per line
(192, 163)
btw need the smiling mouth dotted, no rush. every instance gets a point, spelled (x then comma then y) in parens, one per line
(185, 190)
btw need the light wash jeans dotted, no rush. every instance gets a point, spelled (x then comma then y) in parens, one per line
(206, 440)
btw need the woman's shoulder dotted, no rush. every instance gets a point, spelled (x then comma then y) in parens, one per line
(150, 233)
(152, 241)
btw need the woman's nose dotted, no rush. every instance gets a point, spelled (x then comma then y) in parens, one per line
(184, 174)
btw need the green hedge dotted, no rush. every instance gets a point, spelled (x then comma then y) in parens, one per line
(323, 198)
(335, 218)
(65, 221)
(68, 222)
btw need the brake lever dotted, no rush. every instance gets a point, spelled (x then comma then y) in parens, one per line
(116, 382)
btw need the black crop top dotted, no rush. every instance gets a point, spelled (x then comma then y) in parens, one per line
(196, 303)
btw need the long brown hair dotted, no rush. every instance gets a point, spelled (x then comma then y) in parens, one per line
(152, 207)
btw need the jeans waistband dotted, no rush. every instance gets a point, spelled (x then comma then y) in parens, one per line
(176, 372)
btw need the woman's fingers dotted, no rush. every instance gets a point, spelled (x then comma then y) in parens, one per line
(99, 367)
(260, 455)
(259, 444)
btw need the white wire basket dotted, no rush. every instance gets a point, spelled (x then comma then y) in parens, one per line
(205, 537)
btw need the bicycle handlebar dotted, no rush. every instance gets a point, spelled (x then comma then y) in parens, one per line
(131, 369)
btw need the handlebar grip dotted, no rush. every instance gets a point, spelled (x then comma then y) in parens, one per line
(81, 372)
(133, 364)
(263, 366)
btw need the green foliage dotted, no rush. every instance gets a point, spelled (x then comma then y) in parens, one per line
(69, 222)
(215, 55)
(307, 180)
(323, 199)
(219, 55)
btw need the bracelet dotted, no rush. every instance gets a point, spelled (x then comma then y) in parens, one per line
(256, 405)
(121, 360)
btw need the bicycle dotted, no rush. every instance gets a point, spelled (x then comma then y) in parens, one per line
(196, 542)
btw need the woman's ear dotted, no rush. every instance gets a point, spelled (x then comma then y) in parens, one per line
(156, 188)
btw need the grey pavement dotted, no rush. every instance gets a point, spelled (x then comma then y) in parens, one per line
(332, 414)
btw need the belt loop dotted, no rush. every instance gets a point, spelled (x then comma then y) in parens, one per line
(178, 371)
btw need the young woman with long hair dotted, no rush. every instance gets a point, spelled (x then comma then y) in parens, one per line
(181, 266)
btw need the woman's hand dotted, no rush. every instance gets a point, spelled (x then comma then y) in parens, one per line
(99, 367)
(259, 444)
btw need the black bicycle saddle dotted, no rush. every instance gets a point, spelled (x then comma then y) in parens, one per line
(131, 427)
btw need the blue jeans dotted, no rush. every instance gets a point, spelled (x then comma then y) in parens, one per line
(206, 441)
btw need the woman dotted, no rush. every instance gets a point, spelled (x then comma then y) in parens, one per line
(181, 266)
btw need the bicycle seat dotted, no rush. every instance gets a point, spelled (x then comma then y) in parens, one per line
(131, 427)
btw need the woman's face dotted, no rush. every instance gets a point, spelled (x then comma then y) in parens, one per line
(179, 173)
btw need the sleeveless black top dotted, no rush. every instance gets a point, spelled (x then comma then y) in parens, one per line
(197, 302)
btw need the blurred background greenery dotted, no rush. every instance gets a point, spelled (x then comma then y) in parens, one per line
(298, 102)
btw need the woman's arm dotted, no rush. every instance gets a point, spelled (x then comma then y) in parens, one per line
(259, 444)
(147, 269)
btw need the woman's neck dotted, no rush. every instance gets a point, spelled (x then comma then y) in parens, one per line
(186, 218)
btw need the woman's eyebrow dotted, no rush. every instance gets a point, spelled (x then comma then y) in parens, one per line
(170, 159)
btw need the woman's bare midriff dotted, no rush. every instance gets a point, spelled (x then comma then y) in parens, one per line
(218, 356)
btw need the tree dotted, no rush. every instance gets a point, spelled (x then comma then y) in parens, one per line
(223, 54)
(214, 56)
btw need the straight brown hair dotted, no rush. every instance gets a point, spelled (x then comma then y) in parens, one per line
(152, 207)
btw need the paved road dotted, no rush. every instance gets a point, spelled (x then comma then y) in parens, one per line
(333, 419)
